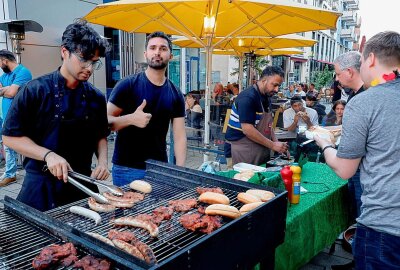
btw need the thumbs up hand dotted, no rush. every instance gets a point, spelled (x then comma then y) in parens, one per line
(139, 117)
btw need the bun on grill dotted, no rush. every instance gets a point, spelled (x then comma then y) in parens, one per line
(247, 198)
(223, 210)
(248, 207)
(213, 198)
(264, 195)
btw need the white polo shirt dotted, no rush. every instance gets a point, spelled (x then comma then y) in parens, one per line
(288, 117)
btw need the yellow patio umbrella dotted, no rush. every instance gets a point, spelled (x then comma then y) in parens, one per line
(199, 19)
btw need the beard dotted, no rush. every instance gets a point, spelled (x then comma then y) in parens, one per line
(157, 64)
(6, 69)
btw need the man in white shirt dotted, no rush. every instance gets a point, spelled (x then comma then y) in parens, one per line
(299, 115)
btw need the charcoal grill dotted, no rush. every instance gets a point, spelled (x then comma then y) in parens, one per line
(238, 244)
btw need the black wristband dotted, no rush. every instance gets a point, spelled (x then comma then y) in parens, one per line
(45, 155)
(326, 147)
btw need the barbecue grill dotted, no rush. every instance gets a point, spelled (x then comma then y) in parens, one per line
(238, 244)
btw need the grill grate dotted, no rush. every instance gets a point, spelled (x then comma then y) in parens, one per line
(172, 237)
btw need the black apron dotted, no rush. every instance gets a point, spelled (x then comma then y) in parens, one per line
(248, 151)
(72, 137)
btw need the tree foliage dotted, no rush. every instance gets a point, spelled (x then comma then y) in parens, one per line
(260, 63)
(322, 78)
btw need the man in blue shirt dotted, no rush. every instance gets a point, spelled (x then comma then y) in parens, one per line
(14, 76)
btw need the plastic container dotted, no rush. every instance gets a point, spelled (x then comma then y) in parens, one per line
(240, 167)
(296, 180)
(287, 175)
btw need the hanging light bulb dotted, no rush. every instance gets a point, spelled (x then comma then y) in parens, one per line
(209, 24)
(241, 42)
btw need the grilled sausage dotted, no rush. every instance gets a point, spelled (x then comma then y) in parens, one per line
(98, 207)
(141, 186)
(101, 238)
(131, 249)
(134, 222)
(146, 251)
(82, 211)
(120, 204)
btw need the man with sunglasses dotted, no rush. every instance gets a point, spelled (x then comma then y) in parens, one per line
(59, 120)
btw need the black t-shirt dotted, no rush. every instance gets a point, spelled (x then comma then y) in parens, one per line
(247, 109)
(133, 145)
(352, 94)
(37, 107)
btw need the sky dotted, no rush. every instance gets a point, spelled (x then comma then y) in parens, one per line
(378, 16)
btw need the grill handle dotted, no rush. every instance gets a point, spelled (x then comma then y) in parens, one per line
(111, 188)
(98, 197)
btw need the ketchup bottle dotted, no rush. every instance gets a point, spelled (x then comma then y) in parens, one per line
(287, 174)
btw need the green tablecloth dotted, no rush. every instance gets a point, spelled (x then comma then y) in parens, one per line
(317, 220)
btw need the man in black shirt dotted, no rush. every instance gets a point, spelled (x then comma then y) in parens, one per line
(60, 120)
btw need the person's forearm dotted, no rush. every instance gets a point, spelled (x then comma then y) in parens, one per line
(293, 126)
(26, 147)
(102, 152)
(118, 122)
(180, 151)
(273, 136)
(10, 92)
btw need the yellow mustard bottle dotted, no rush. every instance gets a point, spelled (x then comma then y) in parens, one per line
(296, 179)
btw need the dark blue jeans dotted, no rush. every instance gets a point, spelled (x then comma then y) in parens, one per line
(376, 250)
(124, 175)
(355, 191)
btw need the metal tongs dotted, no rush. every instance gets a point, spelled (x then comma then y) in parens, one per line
(111, 188)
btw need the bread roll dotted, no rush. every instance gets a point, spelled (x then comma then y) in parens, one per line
(141, 186)
(223, 210)
(248, 207)
(213, 198)
(264, 195)
(247, 198)
(244, 175)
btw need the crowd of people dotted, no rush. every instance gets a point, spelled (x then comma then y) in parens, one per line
(142, 106)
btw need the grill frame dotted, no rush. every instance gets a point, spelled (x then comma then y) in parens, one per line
(238, 244)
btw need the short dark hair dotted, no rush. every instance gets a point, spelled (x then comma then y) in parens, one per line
(311, 97)
(80, 37)
(312, 84)
(7, 55)
(385, 46)
(296, 99)
(271, 71)
(160, 35)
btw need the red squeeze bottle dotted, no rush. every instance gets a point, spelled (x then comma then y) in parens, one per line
(287, 174)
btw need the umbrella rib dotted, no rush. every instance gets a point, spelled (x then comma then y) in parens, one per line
(295, 14)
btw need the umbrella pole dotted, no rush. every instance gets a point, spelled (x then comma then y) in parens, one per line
(207, 101)
(241, 59)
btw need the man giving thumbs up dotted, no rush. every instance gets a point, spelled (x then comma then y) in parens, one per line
(140, 108)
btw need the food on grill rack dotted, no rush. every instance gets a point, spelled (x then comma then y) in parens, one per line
(129, 197)
(141, 186)
(223, 210)
(99, 207)
(129, 248)
(183, 205)
(159, 214)
(201, 210)
(203, 223)
(248, 207)
(124, 236)
(101, 238)
(146, 252)
(244, 175)
(264, 195)
(82, 211)
(201, 190)
(121, 204)
(135, 222)
(213, 198)
(247, 198)
(55, 255)
(91, 263)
